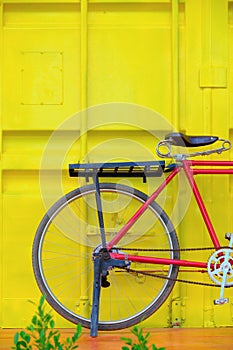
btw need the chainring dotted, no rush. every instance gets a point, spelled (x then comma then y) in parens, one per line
(219, 264)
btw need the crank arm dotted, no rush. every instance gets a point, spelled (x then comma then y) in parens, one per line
(221, 300)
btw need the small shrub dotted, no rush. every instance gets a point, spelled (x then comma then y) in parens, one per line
(142, 341)
(41, 333)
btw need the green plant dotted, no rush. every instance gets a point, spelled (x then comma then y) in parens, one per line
(142, 341)
(41, 333)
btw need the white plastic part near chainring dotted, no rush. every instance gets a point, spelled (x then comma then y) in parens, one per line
(219, 261)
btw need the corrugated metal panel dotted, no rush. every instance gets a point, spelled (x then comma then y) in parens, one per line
(174, 57)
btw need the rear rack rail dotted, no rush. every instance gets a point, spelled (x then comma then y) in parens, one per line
(118, 169)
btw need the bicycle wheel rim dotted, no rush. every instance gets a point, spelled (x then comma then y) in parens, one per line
(140, 295)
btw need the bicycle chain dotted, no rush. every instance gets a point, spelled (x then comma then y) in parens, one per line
(166, 277)
(169, 278)
(168, 250)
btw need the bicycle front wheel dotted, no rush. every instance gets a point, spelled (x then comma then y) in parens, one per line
(63, 252)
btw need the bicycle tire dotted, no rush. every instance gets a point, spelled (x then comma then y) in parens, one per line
(62, 257)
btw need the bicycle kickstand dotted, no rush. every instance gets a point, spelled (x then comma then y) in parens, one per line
(225, 270)
(98, 261)
(96, 297)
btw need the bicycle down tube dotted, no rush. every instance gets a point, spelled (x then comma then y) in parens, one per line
(189, 172)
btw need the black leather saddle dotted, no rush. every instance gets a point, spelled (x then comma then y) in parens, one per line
(179, 139)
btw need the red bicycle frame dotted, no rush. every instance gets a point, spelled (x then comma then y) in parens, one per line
(191, 168)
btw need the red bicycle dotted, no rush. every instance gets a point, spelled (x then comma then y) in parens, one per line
(107, 256)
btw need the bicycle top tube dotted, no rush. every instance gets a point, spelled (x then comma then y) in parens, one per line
(164, 147)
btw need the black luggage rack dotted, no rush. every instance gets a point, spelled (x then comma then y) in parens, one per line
(119, 169)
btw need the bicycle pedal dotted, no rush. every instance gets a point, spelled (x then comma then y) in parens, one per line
(221, 301)
(228, 236)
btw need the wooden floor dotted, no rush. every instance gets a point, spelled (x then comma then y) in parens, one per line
(171, 339)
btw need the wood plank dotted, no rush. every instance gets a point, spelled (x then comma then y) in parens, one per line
(170, 338)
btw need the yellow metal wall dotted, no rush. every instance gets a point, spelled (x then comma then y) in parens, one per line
(59, 57)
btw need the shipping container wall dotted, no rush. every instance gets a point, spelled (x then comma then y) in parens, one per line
(104, 80)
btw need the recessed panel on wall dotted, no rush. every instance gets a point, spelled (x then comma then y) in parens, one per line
(41, 64)
(42, 78)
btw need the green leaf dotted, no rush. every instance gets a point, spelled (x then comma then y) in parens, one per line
(155, 348)
(39, 323)
(40, 312)
(56, 339)
(51, 334)
(23, 343)
(79, 329)
(42, 334)
(52, 324)
(34, 320)
(77, 334)
(27, 338)
(127, 341)
(47, 318)
(75, 337)
(16, 338)
(68, 340)
(125, 348)
(42, 300)
(135, 330)
(22, 334)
